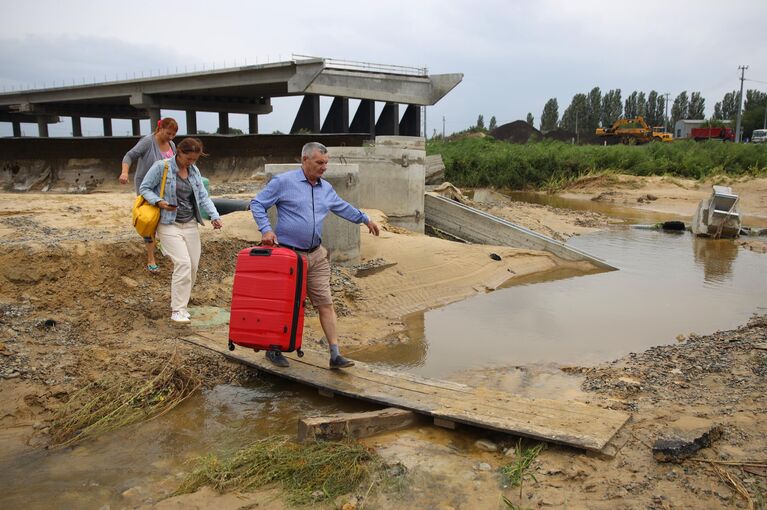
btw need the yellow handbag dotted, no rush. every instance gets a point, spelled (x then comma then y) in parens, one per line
(145, 215)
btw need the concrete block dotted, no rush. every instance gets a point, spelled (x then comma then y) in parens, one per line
(391, 179)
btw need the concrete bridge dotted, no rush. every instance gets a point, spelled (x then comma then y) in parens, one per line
(246, 90)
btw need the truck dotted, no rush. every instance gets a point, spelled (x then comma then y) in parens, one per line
(724, 134)
(759, 136)
(634, 131)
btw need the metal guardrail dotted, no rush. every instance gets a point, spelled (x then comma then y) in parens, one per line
(368, 66)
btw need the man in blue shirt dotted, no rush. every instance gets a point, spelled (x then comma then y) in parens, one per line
(303, 200)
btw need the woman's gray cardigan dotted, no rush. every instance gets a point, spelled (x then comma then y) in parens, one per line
(146, 152)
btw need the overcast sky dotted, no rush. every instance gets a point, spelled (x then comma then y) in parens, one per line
(514, 55)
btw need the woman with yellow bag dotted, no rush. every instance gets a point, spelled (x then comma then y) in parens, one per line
(153, 147)
(183, 196)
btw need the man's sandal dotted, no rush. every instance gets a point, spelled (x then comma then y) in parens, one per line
(153, 268)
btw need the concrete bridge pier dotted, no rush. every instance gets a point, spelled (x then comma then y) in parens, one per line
(107, 126)
(337, 120)
(16, 129)
(77, 127)
(42, 128)
(388, 121)
(154, 118)
(308, 116)
(410, 125)
(253, 123)
(364, 120)
(223, 123)
(136, 126)
(191, 122)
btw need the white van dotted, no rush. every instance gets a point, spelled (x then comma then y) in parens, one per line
(759, 136)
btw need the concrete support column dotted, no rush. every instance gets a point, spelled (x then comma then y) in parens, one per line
(16, 129)
(410, 125)
(154, 118)
(77, 127)
(191, 122)
(42, 128)
(107, 126)
(388, 121)
(136, 126)
(308, 116)
(364, 120)
(223, 123)
(337, 120)
(253, 123)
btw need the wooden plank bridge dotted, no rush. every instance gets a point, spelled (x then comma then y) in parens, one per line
(569, 423)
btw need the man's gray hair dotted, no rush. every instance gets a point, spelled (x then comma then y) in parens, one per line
(309, 148)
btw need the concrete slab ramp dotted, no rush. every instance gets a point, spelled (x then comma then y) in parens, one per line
(472, 225)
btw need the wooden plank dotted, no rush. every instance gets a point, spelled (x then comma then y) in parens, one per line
(357, 425)
(571, 423)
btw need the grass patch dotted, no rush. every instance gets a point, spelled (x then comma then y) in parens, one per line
(304, 470)
(520, 470)
(114, 401)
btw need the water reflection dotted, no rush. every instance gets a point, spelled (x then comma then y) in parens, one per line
(716, 257)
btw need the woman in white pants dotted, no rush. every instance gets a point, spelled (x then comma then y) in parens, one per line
(185, 194)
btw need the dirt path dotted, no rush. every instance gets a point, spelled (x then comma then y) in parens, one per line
(75, 302)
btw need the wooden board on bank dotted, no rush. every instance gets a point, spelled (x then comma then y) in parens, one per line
(448, 403)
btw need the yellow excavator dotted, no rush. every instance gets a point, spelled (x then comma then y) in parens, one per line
(634, 131)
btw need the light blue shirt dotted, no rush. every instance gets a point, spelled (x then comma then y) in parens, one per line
(301, 208)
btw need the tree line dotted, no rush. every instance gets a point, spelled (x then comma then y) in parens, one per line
(588, 111)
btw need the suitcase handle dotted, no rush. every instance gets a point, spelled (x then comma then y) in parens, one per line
(260, 252)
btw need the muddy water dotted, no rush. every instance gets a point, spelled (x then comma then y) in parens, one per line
(144, 463)
(669, 285)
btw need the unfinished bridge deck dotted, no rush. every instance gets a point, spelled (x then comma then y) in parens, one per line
(570, 423)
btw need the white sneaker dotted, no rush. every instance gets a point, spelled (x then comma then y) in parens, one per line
(179, 318)
(185, 313)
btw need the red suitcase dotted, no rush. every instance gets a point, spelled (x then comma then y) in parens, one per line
(268, 300)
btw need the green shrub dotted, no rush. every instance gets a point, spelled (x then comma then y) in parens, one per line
(477, 162)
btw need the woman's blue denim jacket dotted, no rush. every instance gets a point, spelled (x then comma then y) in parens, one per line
(150, 189)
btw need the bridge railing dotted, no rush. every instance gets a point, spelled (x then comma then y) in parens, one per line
(368, 66)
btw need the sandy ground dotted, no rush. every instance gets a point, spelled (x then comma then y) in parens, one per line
(72, 284)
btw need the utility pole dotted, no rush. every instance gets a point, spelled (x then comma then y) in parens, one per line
(764, 124)
(738, 137)
(443, 127)
(665, 117)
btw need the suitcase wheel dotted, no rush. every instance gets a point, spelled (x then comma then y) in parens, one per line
(300, 353)
(256, 350)
(231, 345)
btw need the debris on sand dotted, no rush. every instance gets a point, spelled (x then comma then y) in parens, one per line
(310, 471)
(685, 437)
(115, 401)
